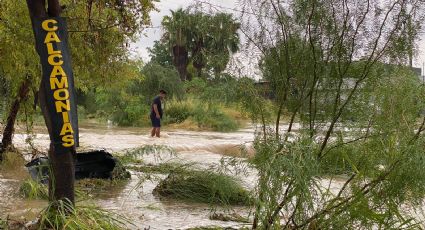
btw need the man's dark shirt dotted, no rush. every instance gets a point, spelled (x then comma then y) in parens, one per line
(157, 101)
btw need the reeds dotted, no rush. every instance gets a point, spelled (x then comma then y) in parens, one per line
(62, 215)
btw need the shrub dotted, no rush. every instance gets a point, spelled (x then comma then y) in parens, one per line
(196, 86)
(12, 161)
(133, 114)
(178, 111)
(156, 77)
(122, 108)
(213, 118)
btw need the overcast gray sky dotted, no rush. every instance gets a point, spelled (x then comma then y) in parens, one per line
(152, 34)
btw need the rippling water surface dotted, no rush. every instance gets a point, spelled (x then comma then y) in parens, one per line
(132, 199)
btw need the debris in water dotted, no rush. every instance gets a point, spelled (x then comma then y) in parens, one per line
(203, 186)
(229, 217)
(93, 164)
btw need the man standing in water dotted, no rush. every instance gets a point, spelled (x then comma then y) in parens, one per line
(156, 113)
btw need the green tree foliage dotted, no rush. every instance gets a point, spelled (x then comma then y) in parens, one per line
(121, 107)
(99, 34)
(204, 41)
(332, 66)
(128, 104)
(4, 94)
(99, 37)
(18, 58)
(156, 77)
(160, 54)
(221, 90)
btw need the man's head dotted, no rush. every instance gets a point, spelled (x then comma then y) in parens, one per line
(162, 93)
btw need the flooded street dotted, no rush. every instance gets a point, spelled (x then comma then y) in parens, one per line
(134, 200)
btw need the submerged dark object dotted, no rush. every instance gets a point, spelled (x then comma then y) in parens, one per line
(92, 164)
(39, 169)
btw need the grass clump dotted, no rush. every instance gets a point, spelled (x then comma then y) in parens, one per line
(209, 228)
(120, 172)
(162, 168)
(32, 189)
(3, 224)
(215, 119)
(206, 115)
(92, 185)
(203, 186)
(12, 160)
(229, 217)
(135, 155)
(217, 228)
(178, 111)
(62, 215)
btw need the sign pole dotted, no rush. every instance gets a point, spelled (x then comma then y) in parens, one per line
(56, 96)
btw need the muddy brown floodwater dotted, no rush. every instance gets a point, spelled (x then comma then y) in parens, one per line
(135, 200)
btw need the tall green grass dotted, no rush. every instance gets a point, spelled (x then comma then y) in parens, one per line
(207, 116)
(3, 224)
(62, 215)
(12, 161)
(177, 111)
(31, 189)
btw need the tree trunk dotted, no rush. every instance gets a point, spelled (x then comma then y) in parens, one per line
(13, 113)
(180, 61)
(198, 67)
(62, 176)
(198, 58)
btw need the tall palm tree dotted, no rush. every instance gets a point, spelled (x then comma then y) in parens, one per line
(224, 42)
(178, 35)
(206, 41)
